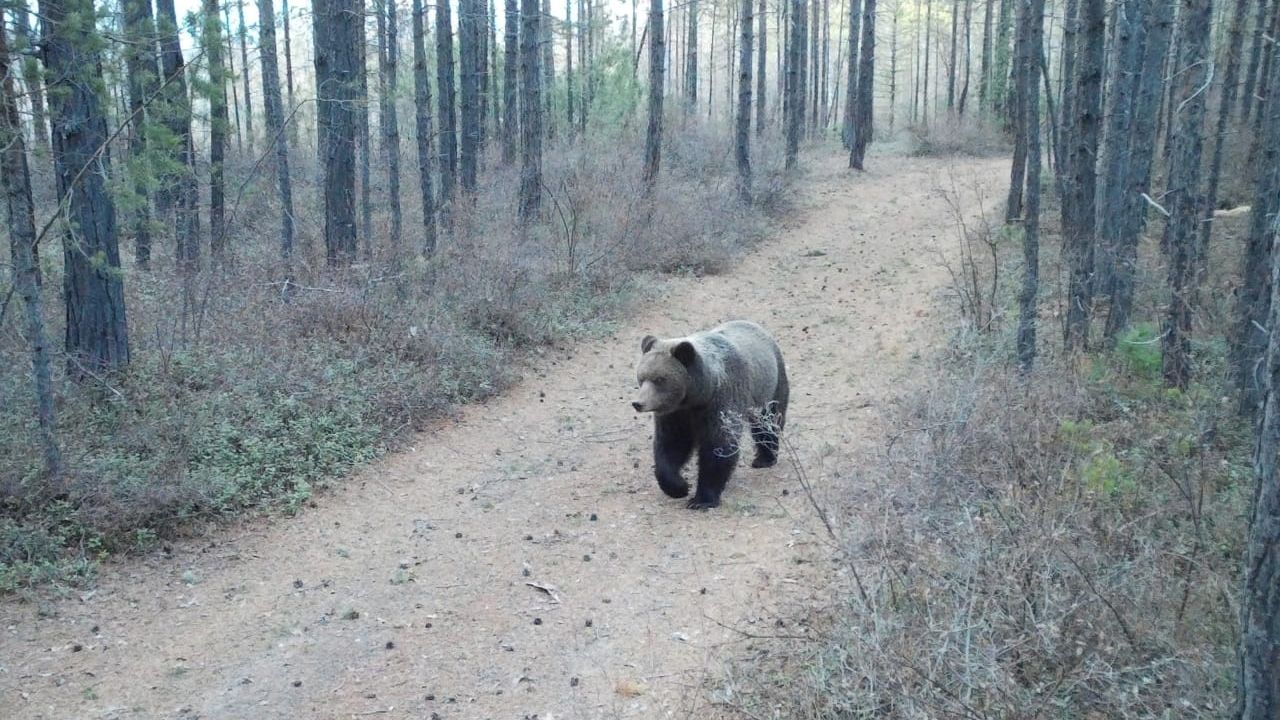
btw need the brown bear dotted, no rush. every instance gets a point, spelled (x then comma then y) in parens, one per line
(704, 390)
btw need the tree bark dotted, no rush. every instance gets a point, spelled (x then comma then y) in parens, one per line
(177, 115)
(955, 45)
(548, 69)
(742, 146)
(388, 75)
(657, 62)
(219, 123)
(31, 75)
(1032, 48)
(97, 334)
(851, 83)
(1250, 341)
(276, 135)
(984, 82)
(762, 16)
(15, 184)
(510, 89)
(229, 36)
(1017, 110)
(795, 107)
(288, 68)
(1141, 152)
(968, 54)
(448, 118)
(244, 66)
(365, 140)
(691, 60)
(1182, 196)
(1078, 225)
(422, 125)
(468, 50)
(863, 125)
(530, 110)
(144, 78)
(339, 32)
(1248, 95)
(1230, 83)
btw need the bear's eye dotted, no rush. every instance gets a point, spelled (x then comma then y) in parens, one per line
(659, 382)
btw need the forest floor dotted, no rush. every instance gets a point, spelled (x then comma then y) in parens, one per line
(519, 561)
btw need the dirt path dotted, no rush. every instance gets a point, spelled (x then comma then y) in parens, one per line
(407, 594)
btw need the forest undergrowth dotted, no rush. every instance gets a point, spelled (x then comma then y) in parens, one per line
(245, 395)
(1060, 545)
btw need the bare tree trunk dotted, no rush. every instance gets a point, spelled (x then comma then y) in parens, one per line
(657, 58)
(1182, 196)
(530, 110)
(491, 73)
(15, 183)
(469, 117)
(742, 147)
(448, 118)
(339, 30)
(691, 60)
(984, 82)
(893, 66)
(1251, 79)
(1230, 81)
(814, 50)
(795, 111)
(511, 92)
(218, 125)
(863, 125)
(231, 68)
(762, 15)
(285, 21)
(31, 75)
(144, 78)
(851, 84)
(363, 130)
(928, 39)
(177, 113)
(1017, 108)
(584, 70)
(1078, 225)
(968, 54)
(1142, 148)
(276, 136)
(244, 66)
(387, 79)
(570, 126)
(548, 69)
(422, 117)
(1032, 47)
(97, 336)
(824, 65)
(955, 45)
(1000, 63)
(1123, 70)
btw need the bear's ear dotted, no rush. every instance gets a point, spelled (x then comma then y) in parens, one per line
(685, 353)
(647, 343)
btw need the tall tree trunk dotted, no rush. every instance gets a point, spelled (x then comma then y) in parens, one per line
(219, 123)
(569, 89)
(97, 335)
(491, 73)
(363, 131)
(447, 114)
(801, 10)
(339, 30)
(762, 15)
(15, 184)
(530, 110)
(1066, 116)
(1249, 344)
(657, 58)
(984, 81)
(1256, 49)
(1182, 195)
(1142, 148)
(231, 70)
(711, 64)
(144, 78)
(1078, 227)
(31, 75)
(851, 84)
(388, 75)
(968, 54)
(422, 117)
(928, 39)
(468, 49)
(1017, 109)
(244, 66)
(814, 49)
(1032, 47)
(691, 60)
(177, 113)
(276, 135)
(548, 69)
(1000, 61)
(510, 88)
(1230, 83)
(794, 109)
(893, 66)
(584, 70)
(1123, 70)
(285, 19)
(863, 125)
(742, 146)
(955, 45)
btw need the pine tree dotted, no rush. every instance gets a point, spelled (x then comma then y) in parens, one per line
(530, 110)
(422, 129)
(274, 110)
(657, 73)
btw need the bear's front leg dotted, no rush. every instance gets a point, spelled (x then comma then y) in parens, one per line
(673, 441)
(716, 461)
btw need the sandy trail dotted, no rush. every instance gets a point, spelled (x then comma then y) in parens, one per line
(407, 593)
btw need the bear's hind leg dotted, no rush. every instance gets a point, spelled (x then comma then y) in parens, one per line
(673, 441)
(716, 462)
(766, 432)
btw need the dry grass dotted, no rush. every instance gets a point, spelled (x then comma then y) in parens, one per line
(973, 134)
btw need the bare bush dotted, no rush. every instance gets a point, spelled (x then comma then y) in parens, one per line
(973, 134)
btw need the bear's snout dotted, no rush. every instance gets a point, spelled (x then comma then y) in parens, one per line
(639, 406)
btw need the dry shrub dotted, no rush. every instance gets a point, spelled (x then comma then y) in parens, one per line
(973, 134)
(1064, 547)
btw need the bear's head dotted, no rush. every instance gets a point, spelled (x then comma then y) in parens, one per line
(662, 375)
